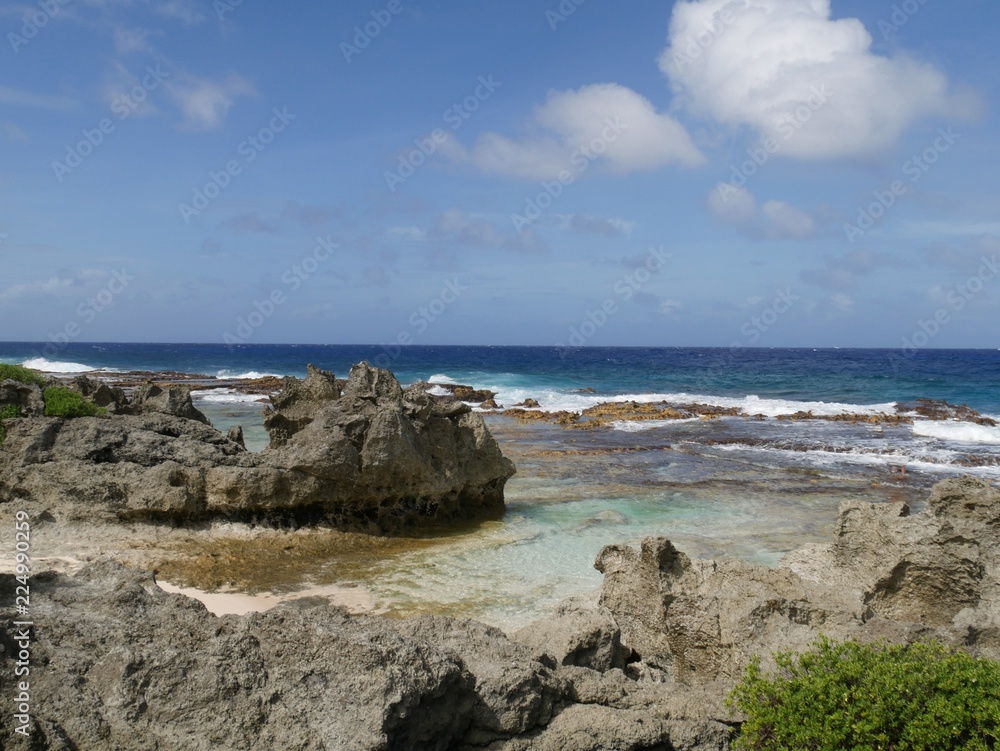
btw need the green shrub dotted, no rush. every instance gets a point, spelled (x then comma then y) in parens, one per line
(6, 412)
(845, 696)
(20, 373)
(63, 402)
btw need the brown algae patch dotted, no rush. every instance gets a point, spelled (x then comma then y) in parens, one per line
(276, 561)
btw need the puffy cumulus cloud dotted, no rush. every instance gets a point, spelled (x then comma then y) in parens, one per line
(775, 65)
(204, 102)
(604, 123)
(774, 220)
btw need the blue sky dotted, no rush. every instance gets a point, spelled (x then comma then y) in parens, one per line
(808, 173)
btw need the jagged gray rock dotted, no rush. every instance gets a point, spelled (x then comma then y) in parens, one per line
(374, 459)
(27, 397)
(888, 575)
(293, 408)
(122, 664)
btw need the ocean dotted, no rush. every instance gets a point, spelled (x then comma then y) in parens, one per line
(751, 488)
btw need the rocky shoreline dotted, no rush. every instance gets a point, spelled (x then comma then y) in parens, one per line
(643, 663)
(357, 454)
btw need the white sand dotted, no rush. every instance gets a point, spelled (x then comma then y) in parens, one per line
(356, 600)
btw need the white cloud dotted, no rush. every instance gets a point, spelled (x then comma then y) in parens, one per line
(784, 220)
(669, 307)
(456, 228)
(736, 206)
(52, 286)
(204, 102)
(131, 40)
(769, 59)
(623, 129)
(843, 303)
(775, 220)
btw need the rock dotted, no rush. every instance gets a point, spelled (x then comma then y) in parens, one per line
(940, 410)
(236, 436)
(169, 400)
(293, 408)
(122, 664)
(579, 633)
(529, 404)
(372, 459)
(490, 404)
(888, 574)
(463, 393)
(27, 397)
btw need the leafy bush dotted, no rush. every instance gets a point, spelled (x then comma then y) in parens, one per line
(63, 402)
(847, 696)
(6, 412)
(20, 373)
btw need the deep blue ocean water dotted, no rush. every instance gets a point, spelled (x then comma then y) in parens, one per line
(851, 376)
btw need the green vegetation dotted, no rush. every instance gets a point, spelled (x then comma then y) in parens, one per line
(844, 696)
(20, 373)
(63, 402)
(6, 412)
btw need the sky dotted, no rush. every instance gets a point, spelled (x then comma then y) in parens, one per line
(695, 173)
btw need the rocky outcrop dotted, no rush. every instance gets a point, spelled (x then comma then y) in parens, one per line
(26, 397)
(119, 663)
(371, 458)
(888, 575)
(292, 409)
(643, 665)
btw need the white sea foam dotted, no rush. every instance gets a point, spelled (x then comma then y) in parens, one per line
(438, 391)
(55, 366)
(224, 396)
(638, 426)
(252, 374)
(554, 401)
(439, 378)
(953, 430)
